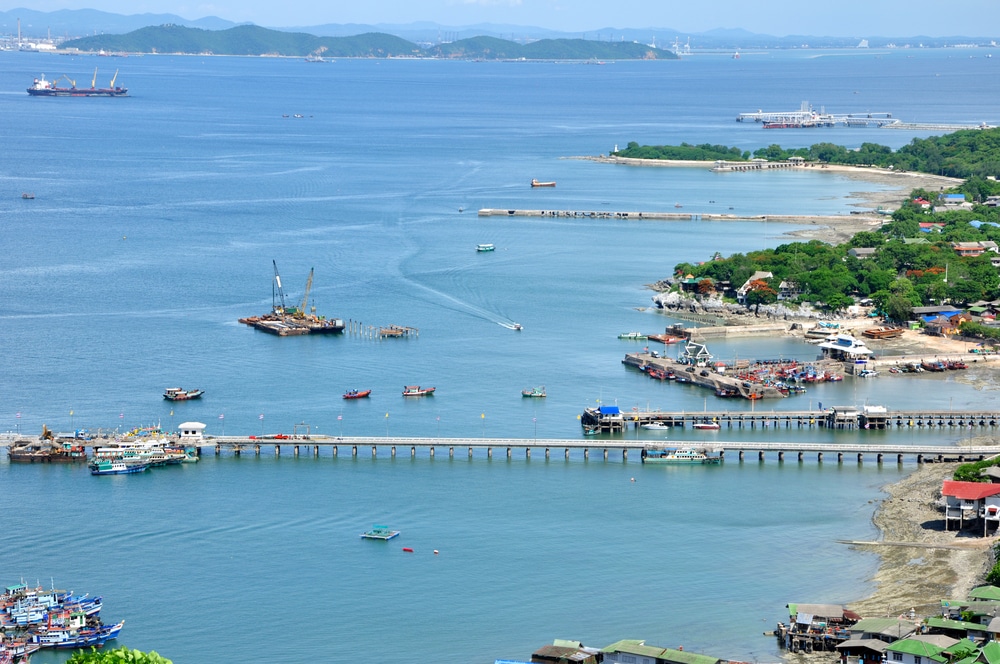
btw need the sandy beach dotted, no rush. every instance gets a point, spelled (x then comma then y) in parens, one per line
(831, 229)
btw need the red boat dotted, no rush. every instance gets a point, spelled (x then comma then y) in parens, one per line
(354, 394)
(417, 391)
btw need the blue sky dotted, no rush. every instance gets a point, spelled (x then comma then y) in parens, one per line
(855, 18)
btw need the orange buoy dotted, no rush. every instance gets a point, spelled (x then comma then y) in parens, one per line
(407, 549)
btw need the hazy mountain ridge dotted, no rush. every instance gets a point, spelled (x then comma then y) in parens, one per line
(75, 23)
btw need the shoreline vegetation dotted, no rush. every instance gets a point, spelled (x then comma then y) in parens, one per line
(919, 562)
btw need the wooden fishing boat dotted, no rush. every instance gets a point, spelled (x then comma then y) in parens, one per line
(355, 394)
(417, 391)
(533, 392)
(179, 394)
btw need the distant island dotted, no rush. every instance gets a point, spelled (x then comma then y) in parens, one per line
(250, 40)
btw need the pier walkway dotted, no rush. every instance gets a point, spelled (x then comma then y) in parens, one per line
(667, 216)
(376, 446)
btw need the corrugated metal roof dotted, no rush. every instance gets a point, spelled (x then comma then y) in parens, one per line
(888, 626)
(972, 491)
(914, 647)
(947, 623)
(986, 592)
(876, 645)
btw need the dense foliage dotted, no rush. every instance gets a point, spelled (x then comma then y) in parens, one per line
(970, 153)
(684, 151)
(993, 577)
(117, 656)
(971, 472)
(254, 40)
(899, 275)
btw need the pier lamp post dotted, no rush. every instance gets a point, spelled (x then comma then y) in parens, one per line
(71, 428)
(340, 418)
(483, 417)
(17, 417)
(261, 418)
(387, 426)
(439, 427)
(534, 420)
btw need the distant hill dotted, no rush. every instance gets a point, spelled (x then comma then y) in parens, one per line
(75, 22)
(254, 40)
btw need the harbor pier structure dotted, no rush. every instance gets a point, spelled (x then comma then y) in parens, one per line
(608, 449)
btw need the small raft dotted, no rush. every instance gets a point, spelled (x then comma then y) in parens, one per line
(379, 532)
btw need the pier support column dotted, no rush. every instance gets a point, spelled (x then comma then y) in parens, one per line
(760, 455)
(236, 450)
(920, 459)
(470, 451)
(374, 451)
(624, 455)
(546, 453)
(392, 451)
(819, 457)
(295, 450)
(840, 457)
(218, 450)
(527, 452)
(432, 451)
(451, 452)
(277, 450)
(335, 450)
(508, 452)
(899, 458)
(800, 457)
(256, 450)
(413, 451)
(878, 459)
(741, 455)
(567, 454)
(861, 457)
(781, 456)
(354, 450)
(605, 454)
(489, 452)
(586, 453)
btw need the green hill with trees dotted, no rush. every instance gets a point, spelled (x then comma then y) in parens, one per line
(253, 40)
(962, 154)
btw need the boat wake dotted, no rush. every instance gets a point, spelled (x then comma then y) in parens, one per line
(455, 304)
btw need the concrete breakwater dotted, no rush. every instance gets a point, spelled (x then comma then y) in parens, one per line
(634, 215)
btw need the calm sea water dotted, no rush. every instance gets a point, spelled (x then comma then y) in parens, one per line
(155, 222)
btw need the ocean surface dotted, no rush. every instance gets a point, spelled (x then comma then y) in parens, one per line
(155, 222)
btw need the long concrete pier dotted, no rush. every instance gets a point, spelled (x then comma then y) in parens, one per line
(633, 215)
(376, 446)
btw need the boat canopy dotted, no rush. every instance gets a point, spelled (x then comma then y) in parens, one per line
(609, 410)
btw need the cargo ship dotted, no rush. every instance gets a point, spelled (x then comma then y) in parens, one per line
(44, 88)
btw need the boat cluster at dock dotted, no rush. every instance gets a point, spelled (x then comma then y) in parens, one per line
(35, 618)
(127, 457)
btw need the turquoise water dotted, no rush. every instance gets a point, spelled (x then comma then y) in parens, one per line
(155, 222)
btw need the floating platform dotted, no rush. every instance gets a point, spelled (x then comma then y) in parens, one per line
(379, 532)
(290, 326)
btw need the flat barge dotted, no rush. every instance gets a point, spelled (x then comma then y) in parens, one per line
(291, 321)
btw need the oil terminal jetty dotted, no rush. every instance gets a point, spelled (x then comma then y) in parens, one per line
(634, 215)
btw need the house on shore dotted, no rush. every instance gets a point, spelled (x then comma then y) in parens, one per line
(965, 502)
(634, 651)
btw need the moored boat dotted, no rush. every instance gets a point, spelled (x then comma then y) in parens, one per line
(633, 336)
(533, 392)
(417, 391)
(355, 394)
(485, 247)
(117, 466)
(679, 456)
(706, 426)
(536, 183)
(654, 426)
(180, 394)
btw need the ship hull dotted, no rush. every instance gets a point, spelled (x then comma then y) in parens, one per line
(74, 92)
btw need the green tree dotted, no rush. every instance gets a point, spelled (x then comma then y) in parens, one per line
(117, 656)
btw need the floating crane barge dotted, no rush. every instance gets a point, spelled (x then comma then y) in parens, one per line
(285, 321)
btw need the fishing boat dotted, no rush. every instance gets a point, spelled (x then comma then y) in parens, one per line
(28, 196)
(380, 532)
(533, 392)
(679, 456)
(516, 327)
(485, 247)
(633, 336)
(417, 391)
(180, 394)
(706, 426)
(536, 183)
(355, 394)
(117, 466)
(77, 637)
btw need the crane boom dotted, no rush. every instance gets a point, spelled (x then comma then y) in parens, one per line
(305, 297)
(281, 293)
(93, 81)
(113, 79)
